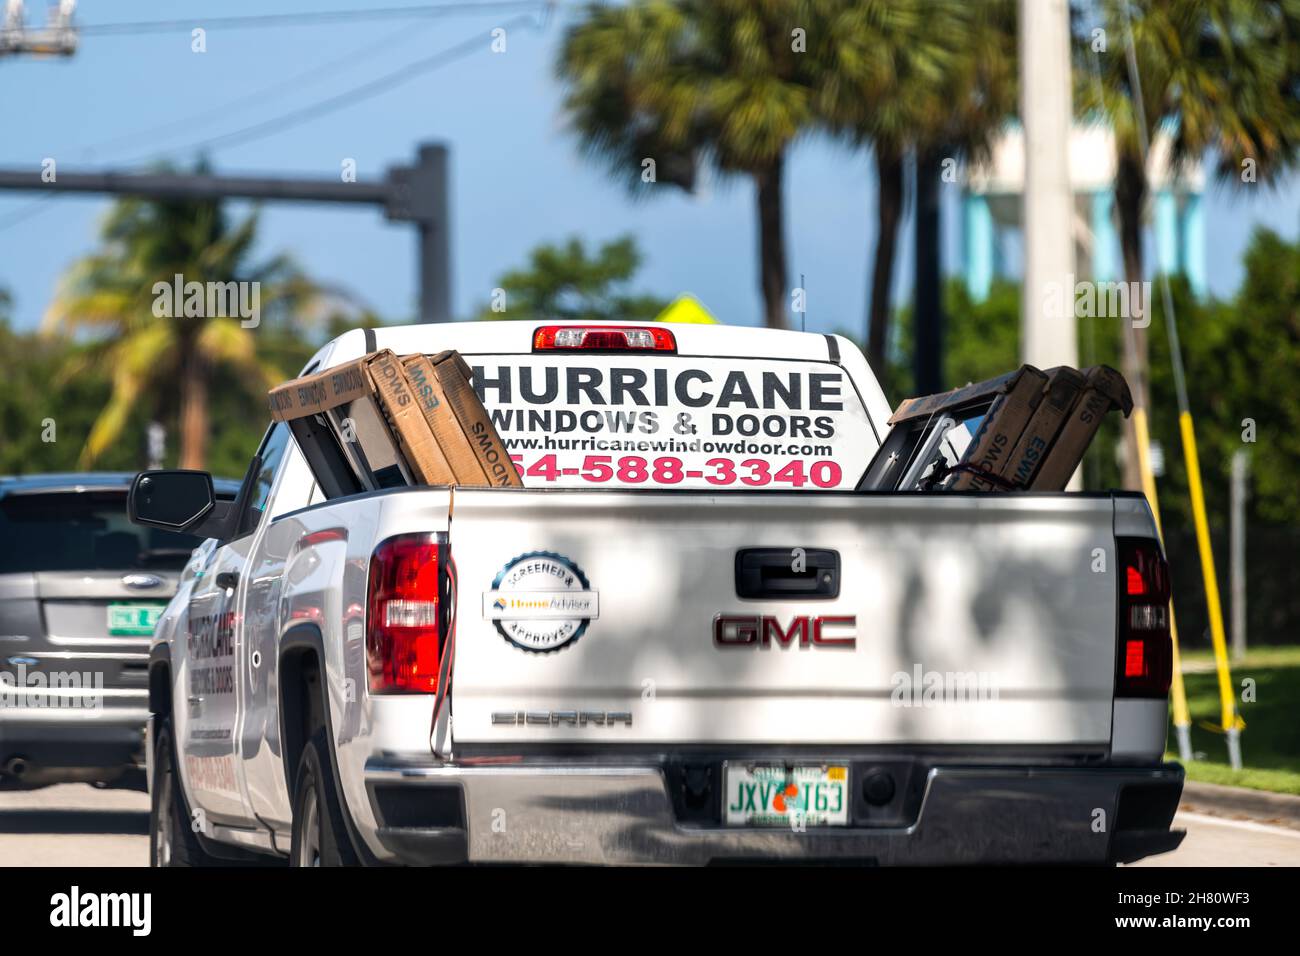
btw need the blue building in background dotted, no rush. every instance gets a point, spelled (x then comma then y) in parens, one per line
(991, 213)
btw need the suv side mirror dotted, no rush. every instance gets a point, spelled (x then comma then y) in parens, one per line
(183, 501)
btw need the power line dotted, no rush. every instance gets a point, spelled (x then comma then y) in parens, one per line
(303, 114)
(338, 101)
(308, 18)
(24, 212)
(260, 96)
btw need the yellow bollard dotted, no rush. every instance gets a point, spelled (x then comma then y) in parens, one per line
(1231, 722)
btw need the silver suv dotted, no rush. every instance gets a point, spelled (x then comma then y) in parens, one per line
(80, 590)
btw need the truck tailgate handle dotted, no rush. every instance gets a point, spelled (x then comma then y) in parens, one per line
(788, 574)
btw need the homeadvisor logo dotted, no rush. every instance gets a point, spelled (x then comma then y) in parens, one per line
(102, 909)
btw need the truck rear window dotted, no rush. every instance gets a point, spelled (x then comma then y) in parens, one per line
(728, 424)
(83, 531)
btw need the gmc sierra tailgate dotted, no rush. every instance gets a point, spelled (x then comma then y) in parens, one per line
(615, 616)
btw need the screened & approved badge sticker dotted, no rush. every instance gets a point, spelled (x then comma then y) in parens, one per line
(541, 601)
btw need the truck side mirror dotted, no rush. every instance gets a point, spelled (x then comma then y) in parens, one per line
(183, 501)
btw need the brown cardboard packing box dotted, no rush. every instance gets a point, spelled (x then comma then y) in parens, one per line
(403, 412)
(372, 408)
(1104, 389)
(450, 385)
(1034, 430)
(1003, 424)
(431, 399)
(1063, 387)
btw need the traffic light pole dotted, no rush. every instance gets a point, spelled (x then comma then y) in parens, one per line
(417, 194)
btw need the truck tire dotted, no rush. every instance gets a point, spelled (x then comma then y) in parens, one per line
(172, 841)
(320, 837)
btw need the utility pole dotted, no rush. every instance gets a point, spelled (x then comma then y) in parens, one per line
(57, 38)
(927, 322)
(417, 194)
(1240, 490)
(1048, 335)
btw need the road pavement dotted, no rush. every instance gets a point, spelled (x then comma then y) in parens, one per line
(77, 825)
(1218, 841)
(74, 824)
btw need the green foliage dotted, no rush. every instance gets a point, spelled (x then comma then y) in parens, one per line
(899, 74)
(981, 339)
(107, 301)
(36, 390)
(1242, 357)
(567, 282)
(1243, 362)
(1217, 74)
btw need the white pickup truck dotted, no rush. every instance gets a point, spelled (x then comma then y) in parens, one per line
(689, 638)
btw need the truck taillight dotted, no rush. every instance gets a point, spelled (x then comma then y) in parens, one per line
(1144, 665)
(403, 616)
(603, 338)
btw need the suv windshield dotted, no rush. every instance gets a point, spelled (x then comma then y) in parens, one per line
(83, 531)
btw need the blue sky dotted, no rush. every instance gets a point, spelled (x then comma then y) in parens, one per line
(518, 178)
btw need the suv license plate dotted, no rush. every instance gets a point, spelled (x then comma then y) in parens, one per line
(133, 620)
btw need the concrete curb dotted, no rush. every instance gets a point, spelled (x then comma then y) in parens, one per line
(1279, 809)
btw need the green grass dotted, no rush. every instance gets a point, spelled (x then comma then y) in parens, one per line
(1281, 656)
(1270, 744)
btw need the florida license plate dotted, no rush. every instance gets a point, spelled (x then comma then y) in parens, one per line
(760, 796)
(133, 620)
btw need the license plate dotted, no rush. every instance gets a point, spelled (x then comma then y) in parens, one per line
(761, 796)
(133, 620)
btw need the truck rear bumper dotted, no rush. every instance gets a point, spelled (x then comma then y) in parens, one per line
(585, 814)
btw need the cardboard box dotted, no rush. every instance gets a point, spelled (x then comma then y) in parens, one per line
(1063, 387)
(1104, 390)
(417, 440)
(453, 376)
(431, 399)
(372, 413)
(1003, 424)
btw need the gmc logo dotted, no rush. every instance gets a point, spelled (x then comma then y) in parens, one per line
(746, 630)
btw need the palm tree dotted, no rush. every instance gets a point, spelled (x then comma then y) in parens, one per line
(688, 81)
(109, 296)
(979, 94)
(878, 66)
(1220, 75)
(929, 78)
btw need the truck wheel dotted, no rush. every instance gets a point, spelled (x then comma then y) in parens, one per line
(320, 837)
(172, 841)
